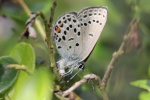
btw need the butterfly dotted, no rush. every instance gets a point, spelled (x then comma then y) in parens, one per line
(75, 36)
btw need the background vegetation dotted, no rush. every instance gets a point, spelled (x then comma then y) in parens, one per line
(130, 77)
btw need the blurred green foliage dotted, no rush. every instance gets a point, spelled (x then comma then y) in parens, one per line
(7, 76)
(132, 66)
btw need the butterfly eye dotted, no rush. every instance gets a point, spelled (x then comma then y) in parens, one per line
(57, 29)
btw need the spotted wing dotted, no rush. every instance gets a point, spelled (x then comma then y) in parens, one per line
(92, 21)
(67, 36)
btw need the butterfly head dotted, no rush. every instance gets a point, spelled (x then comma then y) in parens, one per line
(66, 67)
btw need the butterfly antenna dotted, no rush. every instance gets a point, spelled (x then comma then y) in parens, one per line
(73, 76)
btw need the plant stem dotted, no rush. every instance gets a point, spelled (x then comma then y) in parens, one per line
(116, 55)
(20, 67)
(48, 29)
(49, 44)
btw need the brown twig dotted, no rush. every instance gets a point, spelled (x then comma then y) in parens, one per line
(48, 29)
(116, 55)
(20, 67)
(85, 79)
(48, 40)
(52, 13)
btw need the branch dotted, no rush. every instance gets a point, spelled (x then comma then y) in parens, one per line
(48, 28)
(85, 79)
(21, 67)
(52, 13)
(48, 40)
(116, 55)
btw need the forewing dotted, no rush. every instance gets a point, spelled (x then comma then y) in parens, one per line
(67, 36)
(92, 21)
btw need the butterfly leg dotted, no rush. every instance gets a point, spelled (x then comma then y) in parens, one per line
(69, 71)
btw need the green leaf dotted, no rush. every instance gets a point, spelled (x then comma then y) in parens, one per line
(144, 96)
(7, 76)
(145, 84)
(25, 55)
(39, 86)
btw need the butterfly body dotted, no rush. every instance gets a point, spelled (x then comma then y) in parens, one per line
(75, 36)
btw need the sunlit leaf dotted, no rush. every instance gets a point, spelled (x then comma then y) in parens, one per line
(144, 96)
(38, 86)
(145, 84)
(24, 54)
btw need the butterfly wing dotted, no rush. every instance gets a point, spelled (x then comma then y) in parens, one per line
(67, 34)
(92, 21)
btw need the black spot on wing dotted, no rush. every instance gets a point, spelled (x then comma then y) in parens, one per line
(59, 22)
(77, 44)
(68, 15)
(85, 12)
(89, 22)
(90, 14)
(70, 39)
(97, 21)
(85, 16)
(64, 38)
(75, 30)
(67, 28)
(69, 19)
(64, 17)
(78, 33)
(59, 47)
(70, 26)
(90, 10)
(85, 24)
(74, 21)
(59, 39)
(95, 13)
(65, 32)
(65, 21)
(90, 35)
